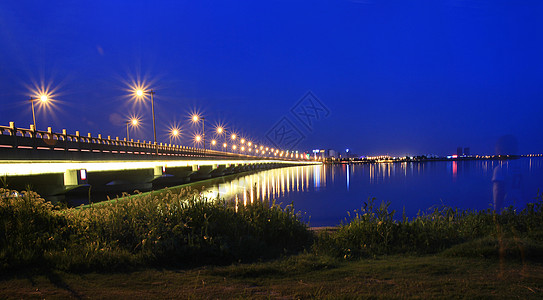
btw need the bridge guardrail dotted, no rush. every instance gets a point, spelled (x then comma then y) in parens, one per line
(20, 143)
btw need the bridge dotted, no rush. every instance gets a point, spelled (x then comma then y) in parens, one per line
(56, 163)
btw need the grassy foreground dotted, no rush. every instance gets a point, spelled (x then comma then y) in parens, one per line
(180, 245)
(297, 277)
(173, 229)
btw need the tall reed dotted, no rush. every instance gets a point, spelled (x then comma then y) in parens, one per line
(166, 229)
(373, 230)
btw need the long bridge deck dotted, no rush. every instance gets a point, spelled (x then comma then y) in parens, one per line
(53, 163)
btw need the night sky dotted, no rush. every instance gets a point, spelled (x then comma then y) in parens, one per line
(385, 77)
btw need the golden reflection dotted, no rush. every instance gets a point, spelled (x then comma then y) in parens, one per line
(244, 196)
(268, 185)
(288, 181)
(297, 179)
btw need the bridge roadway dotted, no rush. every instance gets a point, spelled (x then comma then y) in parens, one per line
(55, 163)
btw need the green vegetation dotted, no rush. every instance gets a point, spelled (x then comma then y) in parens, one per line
(373, 231)
(180, 245)
(174, 229)
(303, 276)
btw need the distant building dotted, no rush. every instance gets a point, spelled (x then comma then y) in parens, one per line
(319, 153)
(332, 153)
(466, 151)
(459, 151)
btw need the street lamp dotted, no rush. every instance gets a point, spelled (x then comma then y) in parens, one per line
(140, 93)
(174, 133)
(220, 131)
(134, 122)
(197, 139)
(42, 98)
(233, 136)
(196, 119)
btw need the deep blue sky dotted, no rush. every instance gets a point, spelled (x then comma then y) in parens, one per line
(398, 77)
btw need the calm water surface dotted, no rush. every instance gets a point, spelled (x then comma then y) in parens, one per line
(326, 192)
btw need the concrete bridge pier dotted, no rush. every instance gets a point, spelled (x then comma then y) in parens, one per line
(75, 180)
(218, 171)
(172, 176)
(123, 180)
(229, 169)
(202, 172)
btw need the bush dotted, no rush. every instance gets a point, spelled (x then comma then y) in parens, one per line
(29, 227)
(374, 231)
(490, 247)
(166, 229)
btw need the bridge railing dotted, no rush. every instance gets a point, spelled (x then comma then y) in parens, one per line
(22, 143)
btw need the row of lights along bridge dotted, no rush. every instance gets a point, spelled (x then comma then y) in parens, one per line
(244, 145)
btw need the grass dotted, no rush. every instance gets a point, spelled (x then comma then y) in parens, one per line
(174, 229)
(374, 231)
(181, 245)
(300, 276)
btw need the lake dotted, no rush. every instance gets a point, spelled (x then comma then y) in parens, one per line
(325, 193)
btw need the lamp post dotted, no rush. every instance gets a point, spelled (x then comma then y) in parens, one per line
(140, 94)
(220, 131)
(133, 122)
(42, 98)
(197, 140)
(174, 134)
(233, 137)
(196, 119)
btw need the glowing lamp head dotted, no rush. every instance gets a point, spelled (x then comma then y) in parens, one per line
(43, 98)
(234, 136)
(139, 93)
(219, 130)
(213, 142)
(175, 132)
(242, 141)
(234, 147)
(242, 148)
(249, 143)
(195, 118)
(134, 122)
(224, 145)
(198, 138)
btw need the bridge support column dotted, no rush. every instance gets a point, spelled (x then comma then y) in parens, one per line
(158, 171)
(74, 178)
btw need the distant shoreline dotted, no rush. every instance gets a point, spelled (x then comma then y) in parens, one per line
(426, 159)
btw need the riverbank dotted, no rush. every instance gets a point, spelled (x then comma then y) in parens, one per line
(184, 246)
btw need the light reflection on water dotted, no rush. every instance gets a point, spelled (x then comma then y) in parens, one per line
(326, 192)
